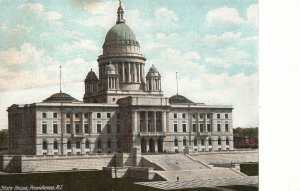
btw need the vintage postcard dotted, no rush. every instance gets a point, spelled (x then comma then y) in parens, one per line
(129, 95)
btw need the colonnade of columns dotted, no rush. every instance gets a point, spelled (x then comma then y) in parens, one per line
(128, 71)
(152, 145)
(149, 121)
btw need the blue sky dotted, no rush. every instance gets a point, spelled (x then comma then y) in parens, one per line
(212, 44)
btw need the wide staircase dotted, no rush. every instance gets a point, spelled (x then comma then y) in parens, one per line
(185, 168)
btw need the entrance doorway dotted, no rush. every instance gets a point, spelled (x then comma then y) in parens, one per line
(143, 145)
(160, 145)
(152, 145)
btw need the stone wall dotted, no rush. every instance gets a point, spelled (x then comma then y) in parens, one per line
(53, 163)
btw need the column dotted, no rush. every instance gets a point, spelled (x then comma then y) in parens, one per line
(147, 145)
(72, 123)
(134, 122)
(231, 147)
(143, 73)
(90, 122)
(223, 143)
(163, 120)
(197, 122)
(82, 122)
(154, 121)
(138, 120)
(129, 72)
(117, 83)
(134, 73)
(123, 72)
(206, 144)
(139, 72)
(62, 129)
(107, 82)
(146, 121)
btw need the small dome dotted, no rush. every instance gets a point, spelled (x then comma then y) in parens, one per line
(179, 99)
(110, 67)
(153, 69)
(120, 34)
(91, 76)
(60, 97)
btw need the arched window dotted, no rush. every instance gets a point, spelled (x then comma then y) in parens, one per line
(202, 142)
(119, 144)
(195, 142)
(55, 145)
(219, 141)
(176, 142)
(184, 142)
(209, 141)
(87, 144)
(99, 144)
(69, 144)
(45, 145)
(227, 141)
(77, 144)
(108, 143)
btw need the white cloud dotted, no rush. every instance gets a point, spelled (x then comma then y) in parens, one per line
(209, 39)
(162, 41)
(83, 44)
(38, 9)
(228, 57)
(252, 14)
(224, 14)
(164, 16)
(25, 53)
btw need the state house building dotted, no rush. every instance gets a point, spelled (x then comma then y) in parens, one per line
(122, 108)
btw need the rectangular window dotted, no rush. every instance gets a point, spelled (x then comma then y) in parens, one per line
(108, 115)
(219, 127)
(194, 128)
(202, 142)
(184, 127)
(226, 128)
(98, 128)
(175, 127)
(55, 128)
(54, 115)
(208, 116)
(194, 116)
(76, 115)
(98, 115)
(68, 128)
(108, 128)
(118, 115)
(86, 115)
(218, 116)
(44, 128)
(208, 127)
(226, 116)
(44, 115)
(201, 128)
(183, 115)
(68, 115)
(86, 128)
(77, 128)
(118, 128)
(175, 115)
(201, 116)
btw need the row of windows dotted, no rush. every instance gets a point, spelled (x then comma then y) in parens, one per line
(201, 116)
(77, 115)
(78, 144)
(184, 142)
(208, 128)
(77, 128)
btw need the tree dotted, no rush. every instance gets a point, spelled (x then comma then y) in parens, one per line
(253, 131)
(3, 138)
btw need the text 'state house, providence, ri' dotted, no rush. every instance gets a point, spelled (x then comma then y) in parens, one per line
(123, 109)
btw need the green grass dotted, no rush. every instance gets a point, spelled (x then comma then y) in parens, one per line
(83, 181)
(251, 169)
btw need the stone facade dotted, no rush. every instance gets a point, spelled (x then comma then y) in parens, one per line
(123, 109)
